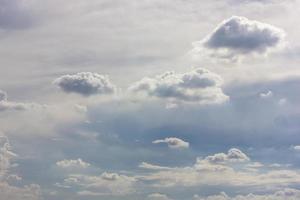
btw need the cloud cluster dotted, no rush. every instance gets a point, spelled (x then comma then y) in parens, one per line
(86, 84)
(7, 190)
(105, 184)
(174, 143)
(225, 171)
(285, 194)
(239, 36)
(197, 86)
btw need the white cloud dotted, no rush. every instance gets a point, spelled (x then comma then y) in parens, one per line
(85, 83)
(240, 36)
(146, 165)
(224, 173)
(282, 101)
(233, 155)
(197, 86)
(7, 190)
(173, 142)
(10, 105)
(72, 164)
(266, 95)
(297, 147)
(105, 184)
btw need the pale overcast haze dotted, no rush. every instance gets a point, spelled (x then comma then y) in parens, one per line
(149, 100)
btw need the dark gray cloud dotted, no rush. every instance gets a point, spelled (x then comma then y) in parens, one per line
(86, 84)
(197, 86)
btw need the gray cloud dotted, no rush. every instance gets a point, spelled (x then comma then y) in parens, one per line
(239, 35)
(198, 86)
(85, 83)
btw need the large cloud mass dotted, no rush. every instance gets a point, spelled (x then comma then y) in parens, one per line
(85, 83)
(197, 86)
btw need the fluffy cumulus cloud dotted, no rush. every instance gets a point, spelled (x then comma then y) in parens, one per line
(239, 36)
(285, 194)
(72, 164)
(173, 142)
(85, 83)
(197, 86)
(233, 155)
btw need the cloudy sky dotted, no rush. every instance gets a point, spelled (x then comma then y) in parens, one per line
(149, 100)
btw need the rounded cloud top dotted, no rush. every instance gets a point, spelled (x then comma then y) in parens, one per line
(239, 36)
(86, 84)
(197, 86)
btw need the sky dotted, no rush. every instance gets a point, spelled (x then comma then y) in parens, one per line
(149, 100)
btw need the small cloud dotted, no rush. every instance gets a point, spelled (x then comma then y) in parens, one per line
(71, 164)
(297, 147)
(266, 95)
(233, 155)
(149, 166)
(173, 142)
(85, 84)
(282, 101)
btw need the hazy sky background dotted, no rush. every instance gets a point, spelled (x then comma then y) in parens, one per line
(149, 99)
